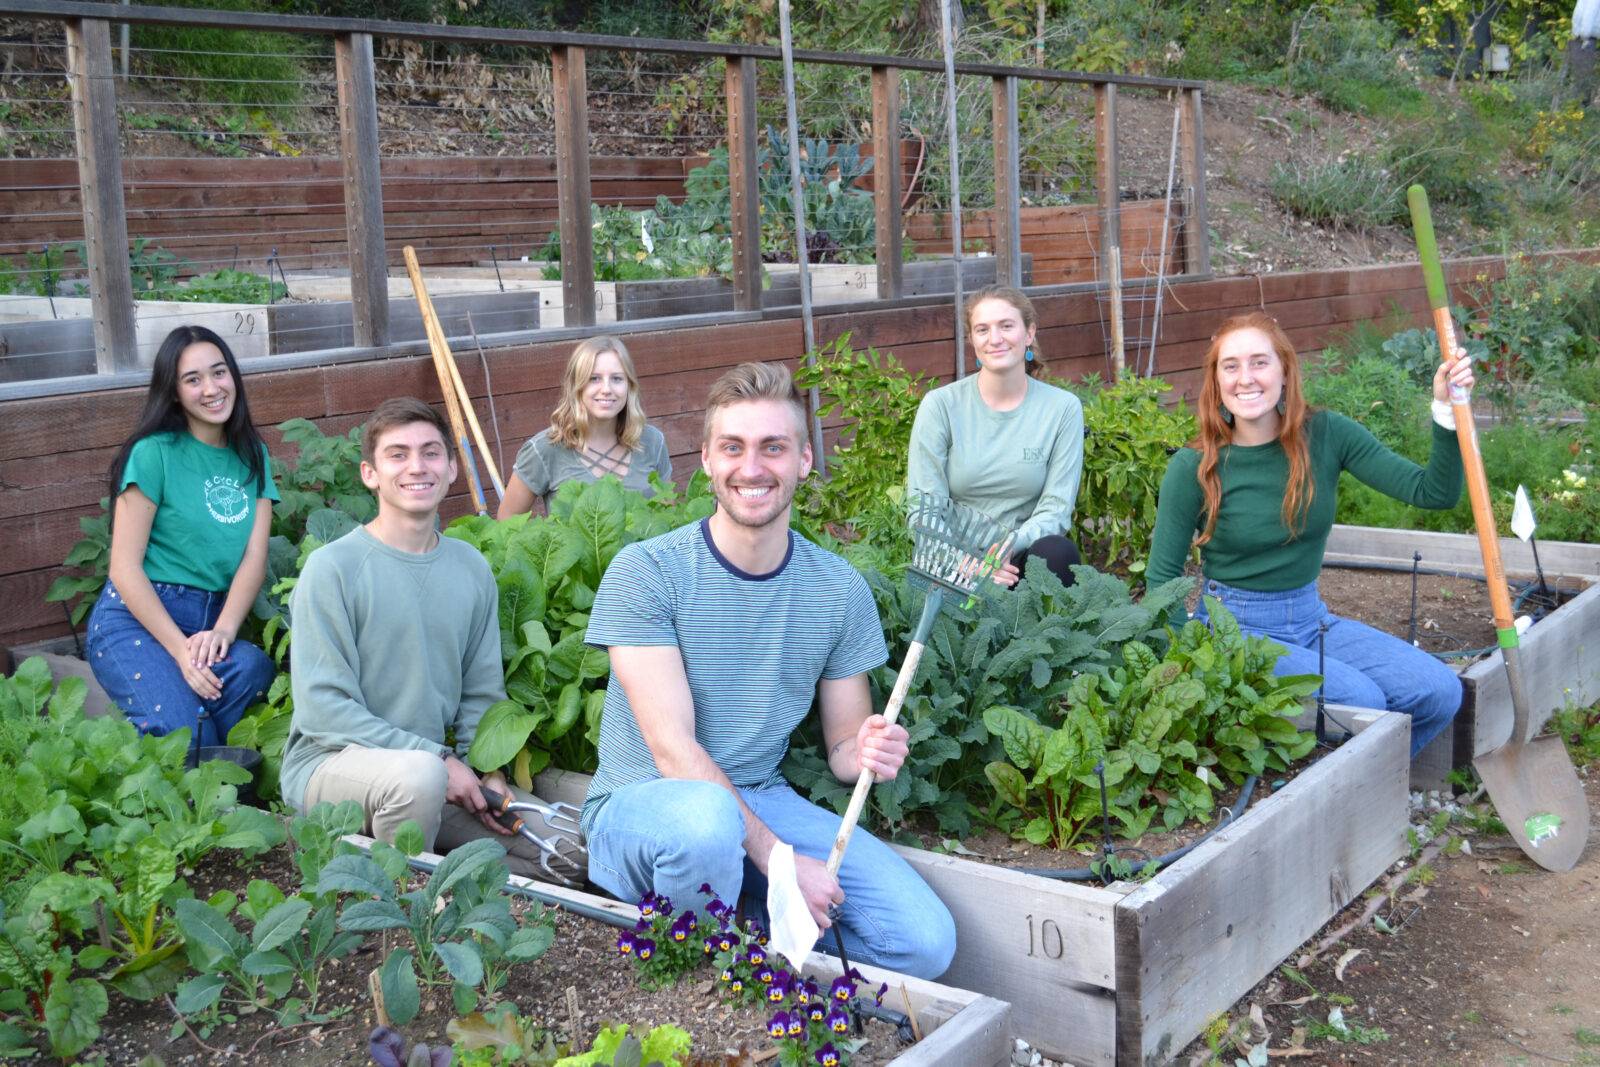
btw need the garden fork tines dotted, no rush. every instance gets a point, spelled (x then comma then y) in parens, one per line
(562, 855)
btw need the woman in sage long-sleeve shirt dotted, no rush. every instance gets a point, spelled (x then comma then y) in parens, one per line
(1256, 491)
(1003, 442)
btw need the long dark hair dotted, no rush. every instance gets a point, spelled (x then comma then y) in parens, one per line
(163, 414)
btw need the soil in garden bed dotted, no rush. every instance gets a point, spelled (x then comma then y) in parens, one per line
(582, 969)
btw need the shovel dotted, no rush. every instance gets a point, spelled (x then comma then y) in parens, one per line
(1530, 779)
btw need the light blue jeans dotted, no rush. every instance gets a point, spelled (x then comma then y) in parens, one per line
(670, 835)
(147, 684)
(1362, 666)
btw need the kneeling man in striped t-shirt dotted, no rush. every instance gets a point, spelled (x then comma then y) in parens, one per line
(721, 635)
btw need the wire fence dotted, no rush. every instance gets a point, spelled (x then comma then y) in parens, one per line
(237, 209)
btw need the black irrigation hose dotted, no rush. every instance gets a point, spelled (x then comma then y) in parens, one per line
(1529, 588)
(1088, 874)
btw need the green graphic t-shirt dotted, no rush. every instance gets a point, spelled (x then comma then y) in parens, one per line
(205, 508)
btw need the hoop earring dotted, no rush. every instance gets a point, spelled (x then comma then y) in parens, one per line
(1029, 356)
(1227, 416)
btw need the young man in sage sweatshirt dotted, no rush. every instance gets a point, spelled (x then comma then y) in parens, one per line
(396, 654)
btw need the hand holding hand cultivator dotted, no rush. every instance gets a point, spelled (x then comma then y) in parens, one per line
(562, 854)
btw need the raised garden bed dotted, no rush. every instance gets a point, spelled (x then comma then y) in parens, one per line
(959, 1028)
(1130, 974)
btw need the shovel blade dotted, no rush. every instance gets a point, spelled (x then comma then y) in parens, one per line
(1539, 798)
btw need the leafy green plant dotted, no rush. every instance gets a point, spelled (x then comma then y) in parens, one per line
(94, 552)
(226, 286)
(451, 919)
(866, 478)
(547, 569)
(1165, 731)
(1125, 425)
(1023, 649)
(38, 992)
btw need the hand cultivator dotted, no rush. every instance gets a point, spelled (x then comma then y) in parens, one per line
(562, 854)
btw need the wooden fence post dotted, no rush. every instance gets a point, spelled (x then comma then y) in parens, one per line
(1007, 184)
(572, 183)
(744, 183)
(1196, 231)
(105, 224)
(363, 188)
(888, 181)
(1105, 166)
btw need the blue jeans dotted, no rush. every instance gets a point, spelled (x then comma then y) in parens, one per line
(671, 835)
(1362, 666)
(147, 684)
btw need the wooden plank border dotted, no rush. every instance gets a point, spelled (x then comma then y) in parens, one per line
(1202, 932)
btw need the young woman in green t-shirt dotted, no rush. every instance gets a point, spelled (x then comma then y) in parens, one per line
(1256, 491)
(192, 507)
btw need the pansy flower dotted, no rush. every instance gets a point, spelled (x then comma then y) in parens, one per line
(683, 926)
(644, 947)
(765, 974)
(838, 1021)
(817, 1010)
(827, 1055)
(625, 943)
(778, 1026)
(757, 956)
(647, 906)
(797, 1025)
(877, 998)
(843, 988)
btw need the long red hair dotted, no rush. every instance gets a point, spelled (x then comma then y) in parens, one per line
(1215, 431)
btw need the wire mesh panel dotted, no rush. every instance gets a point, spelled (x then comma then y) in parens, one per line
(249, 195)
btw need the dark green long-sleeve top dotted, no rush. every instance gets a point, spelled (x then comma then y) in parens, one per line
(1251, 547)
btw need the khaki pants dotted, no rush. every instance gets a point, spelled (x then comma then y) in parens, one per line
(393, 785)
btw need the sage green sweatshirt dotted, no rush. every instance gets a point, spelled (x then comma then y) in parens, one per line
(390, 649)
(1251, 548)
(1019, 467)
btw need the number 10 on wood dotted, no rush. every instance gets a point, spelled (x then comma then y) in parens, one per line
(1044, 939)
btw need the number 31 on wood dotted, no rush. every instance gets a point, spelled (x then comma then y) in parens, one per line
(1044, 939)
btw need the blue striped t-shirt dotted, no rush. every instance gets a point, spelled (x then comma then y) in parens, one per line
(754, 647)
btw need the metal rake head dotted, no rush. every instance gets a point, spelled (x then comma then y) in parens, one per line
(956, 547)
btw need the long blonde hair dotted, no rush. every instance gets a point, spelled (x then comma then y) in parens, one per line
(1215, 431)
(569, 422)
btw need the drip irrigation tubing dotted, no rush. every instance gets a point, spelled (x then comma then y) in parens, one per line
(1528, 589)
(1086, 874)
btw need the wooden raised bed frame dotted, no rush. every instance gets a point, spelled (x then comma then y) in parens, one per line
(959, 1028)
(1130, 975)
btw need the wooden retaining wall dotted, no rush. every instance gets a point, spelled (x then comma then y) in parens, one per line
(212, 211)
(54, 451)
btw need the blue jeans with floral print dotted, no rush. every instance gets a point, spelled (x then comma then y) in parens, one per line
(147, 684)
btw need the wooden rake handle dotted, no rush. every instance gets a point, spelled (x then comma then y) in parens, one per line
(457, 401)
(891, 712)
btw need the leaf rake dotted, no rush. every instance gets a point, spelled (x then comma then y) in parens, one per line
(956, 548)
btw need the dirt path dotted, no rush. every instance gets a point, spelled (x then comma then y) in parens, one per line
(1481, 959)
